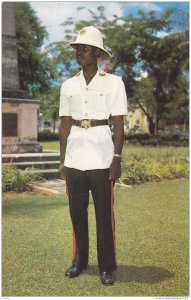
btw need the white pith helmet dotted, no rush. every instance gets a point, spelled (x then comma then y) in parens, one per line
(91, 36)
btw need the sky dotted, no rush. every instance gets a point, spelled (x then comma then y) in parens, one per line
(53, 13)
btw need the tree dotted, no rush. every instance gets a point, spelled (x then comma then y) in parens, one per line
(178, 110)
(50, 104)
(167, 62)
(35, 70)
(136, 47)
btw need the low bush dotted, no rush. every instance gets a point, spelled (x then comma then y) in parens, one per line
(139, 169)
(8, 175)
(146, 140)
(47, 135)
(14, 179)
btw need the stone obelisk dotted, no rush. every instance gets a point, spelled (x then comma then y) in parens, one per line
(19, 114)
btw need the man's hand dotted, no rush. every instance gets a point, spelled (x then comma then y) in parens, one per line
(62, 173)
(115, 169)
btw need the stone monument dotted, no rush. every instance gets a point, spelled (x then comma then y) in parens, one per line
(19, 114)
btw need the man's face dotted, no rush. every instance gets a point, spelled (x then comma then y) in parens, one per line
(86, 55)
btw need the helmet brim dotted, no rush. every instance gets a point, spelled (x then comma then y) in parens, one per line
(104, 52)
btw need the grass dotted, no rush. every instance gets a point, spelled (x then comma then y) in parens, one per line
(152, 244)
(51, 146)
(158, 152)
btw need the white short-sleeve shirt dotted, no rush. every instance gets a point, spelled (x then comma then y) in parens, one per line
(105, 95)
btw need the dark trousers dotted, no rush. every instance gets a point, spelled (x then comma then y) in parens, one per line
(79, 183)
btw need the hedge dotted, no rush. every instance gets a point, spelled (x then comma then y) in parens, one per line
(47, 135)
(147, 140)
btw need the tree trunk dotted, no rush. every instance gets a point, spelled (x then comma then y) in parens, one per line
(151, 125)
(150, 120)
(156, 127)
(54, 125)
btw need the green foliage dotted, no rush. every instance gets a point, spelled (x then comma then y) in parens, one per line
(148, 170)
(164, 59)
(50, 104)
(47, 135)
(154, 164)
(156, 140)
(35, 70)
(14, 179)
(21, 181)
(8, 175)
(178, 108)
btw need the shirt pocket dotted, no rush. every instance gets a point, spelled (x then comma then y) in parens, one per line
(74, 101)
(101, 101)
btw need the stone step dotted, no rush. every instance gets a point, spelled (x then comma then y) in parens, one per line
(26, 157)
(37, 164)
(45, 164)
(47, 174)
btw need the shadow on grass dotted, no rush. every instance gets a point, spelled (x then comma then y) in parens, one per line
(145, 275)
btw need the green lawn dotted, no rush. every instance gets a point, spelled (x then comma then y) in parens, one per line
(51, 146)
(152, 244)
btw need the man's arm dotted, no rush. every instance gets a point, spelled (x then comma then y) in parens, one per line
(118, 137)
(64, 131)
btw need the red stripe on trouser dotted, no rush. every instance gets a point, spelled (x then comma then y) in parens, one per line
(73, 233)
(113, 218)
(73, 244)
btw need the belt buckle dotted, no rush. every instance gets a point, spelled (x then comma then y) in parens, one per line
(86, 124)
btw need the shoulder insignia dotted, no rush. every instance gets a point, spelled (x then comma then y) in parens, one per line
(78, 74)
(102, 73)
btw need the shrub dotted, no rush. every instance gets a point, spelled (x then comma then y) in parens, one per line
(47, 135)
(14, 179)
(21, 181)
(8, 175)
(153, 164)
(146, 140)
(149, 170)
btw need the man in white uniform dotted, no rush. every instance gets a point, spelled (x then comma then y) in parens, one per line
(89, 159)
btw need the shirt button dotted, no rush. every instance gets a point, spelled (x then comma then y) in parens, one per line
(86, 101)
(87, 88)
(86, 114)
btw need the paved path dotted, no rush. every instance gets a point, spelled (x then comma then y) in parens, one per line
(54, 187)
(57, 187)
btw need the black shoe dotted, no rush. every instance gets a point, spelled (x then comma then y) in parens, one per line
(73, 271)
(107, 278)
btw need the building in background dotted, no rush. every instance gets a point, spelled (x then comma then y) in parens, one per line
(136, 121)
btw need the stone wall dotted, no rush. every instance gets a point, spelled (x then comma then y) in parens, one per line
(23, 115)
